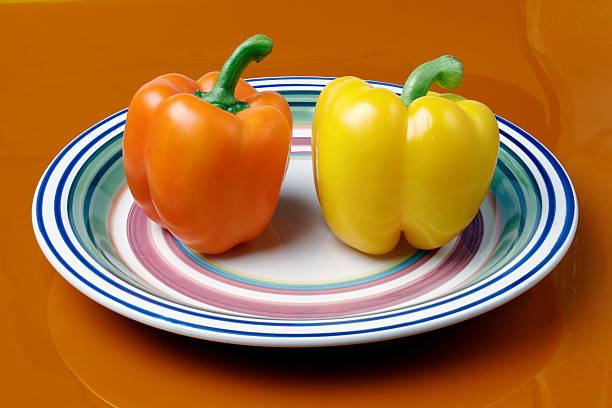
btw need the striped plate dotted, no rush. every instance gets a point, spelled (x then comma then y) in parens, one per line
(296, 285)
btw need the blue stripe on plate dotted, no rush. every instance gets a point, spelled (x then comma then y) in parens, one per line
(563, 238)
(58, 193)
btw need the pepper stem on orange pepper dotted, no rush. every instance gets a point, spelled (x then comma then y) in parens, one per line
(446, 70)
(252, 49)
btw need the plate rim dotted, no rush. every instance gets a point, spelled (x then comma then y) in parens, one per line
(325, 338)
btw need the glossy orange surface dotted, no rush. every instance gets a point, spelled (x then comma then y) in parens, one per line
(545, 65)
(178, 151)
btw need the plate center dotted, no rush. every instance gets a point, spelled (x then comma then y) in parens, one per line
(297, 248)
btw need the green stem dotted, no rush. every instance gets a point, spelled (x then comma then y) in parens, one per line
(445, 70)
(252, 49)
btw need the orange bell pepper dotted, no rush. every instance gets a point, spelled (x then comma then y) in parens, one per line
(205, 159)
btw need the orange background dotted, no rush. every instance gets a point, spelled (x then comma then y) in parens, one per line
(544, 65)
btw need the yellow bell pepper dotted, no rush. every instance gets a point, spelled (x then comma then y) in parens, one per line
(420, 164)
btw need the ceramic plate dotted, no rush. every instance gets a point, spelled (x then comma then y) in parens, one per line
(296, 285)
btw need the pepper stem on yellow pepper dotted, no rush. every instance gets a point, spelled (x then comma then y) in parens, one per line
(446, 70)
(221, 95)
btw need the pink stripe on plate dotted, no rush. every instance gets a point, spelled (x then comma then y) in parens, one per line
(178, 252)
(142, 246)
(301, 141)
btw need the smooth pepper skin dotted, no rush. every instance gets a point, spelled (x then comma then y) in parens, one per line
(205, 159)
(420, 165)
